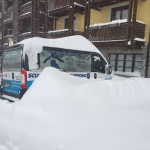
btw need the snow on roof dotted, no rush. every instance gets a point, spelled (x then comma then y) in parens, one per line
(139, 39)
(113, 22)
(108, 23)
(32, 46)
(132, 74)
(75, 3)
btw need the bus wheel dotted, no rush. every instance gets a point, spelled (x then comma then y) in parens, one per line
(88, 75)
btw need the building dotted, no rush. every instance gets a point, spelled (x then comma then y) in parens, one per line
(121, 32)
(23, 19)
(119, 28)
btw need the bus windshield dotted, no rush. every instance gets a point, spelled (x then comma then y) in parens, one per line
(67, 61)
(72, 61)
(12, 60)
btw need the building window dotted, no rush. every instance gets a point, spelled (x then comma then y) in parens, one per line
(66, 23)
(119, 13)
(126, 62)
(10, 31)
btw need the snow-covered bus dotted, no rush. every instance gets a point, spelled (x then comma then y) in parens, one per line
(23, 62)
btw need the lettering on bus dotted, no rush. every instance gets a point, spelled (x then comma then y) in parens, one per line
(33, 75)
(80, 75)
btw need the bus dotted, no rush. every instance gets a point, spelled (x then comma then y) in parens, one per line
(23, 62)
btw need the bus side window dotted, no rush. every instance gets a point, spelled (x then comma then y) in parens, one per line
(25, 64)
(97, 64)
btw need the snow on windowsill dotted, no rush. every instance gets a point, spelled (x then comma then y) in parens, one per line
(8, 19)
(25, 4)
(59, 8)
(133, 74)
(62, 30)
(109, 41)
(139, 39)
(108, 23)
(78, 4)
(21, 34)
(113, 22)
(7, 36)
(140, 21)
(25, 14)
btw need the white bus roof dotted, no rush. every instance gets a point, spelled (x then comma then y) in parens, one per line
(35, 45)
(76, 42)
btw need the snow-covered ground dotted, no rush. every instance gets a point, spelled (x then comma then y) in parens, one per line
(60, 111)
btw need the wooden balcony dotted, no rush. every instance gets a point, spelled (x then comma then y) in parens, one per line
(0, 43)
(6, 40)
(59, 8)
(0, 23)
(102, 3)
(62, 33)
(116, 33)
(25, 10)
(8, 17)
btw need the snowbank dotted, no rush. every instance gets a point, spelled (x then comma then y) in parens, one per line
(32, 46)
(60, 111)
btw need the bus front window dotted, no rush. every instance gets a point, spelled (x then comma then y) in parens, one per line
(98, 64)
(67, 61)
(12, 60)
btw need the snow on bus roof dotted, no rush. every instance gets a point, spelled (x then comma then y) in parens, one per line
(76, 42)
(35, 45)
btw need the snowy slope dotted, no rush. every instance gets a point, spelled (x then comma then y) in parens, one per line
(65, 112)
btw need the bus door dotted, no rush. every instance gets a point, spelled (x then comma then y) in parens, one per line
(12, 72)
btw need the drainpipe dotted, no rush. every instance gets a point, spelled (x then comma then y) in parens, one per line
(147, 58)
(129, 22)
(31, 18)
(2, 26)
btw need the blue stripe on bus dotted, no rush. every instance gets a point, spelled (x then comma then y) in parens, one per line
(108, 78)
(29, 83)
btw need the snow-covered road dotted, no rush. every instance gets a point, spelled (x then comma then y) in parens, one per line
(65, 112)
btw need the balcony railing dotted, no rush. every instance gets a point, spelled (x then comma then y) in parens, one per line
(0, 23)
(62, 33)
(6, 39)
(8, 15)
(25, 9)
(24, 36)
(0, 43)
(115, 32)
(59, 7)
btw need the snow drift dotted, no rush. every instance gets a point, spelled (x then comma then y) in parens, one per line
(60, 111)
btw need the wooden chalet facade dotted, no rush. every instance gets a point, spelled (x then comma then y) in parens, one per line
(122, 39)
(119, 28)
(24, 19)
(111, 25)
(66, 8)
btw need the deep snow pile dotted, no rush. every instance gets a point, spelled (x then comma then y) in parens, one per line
(66, 112)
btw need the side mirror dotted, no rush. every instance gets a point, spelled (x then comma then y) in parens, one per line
(38, 59)
(108, 69)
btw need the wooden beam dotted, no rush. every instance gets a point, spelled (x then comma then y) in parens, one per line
(87, 18)
(46, 19)
(35, 18)
(129, 22)
(71, 18)
(134, 22)
(15, 21)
